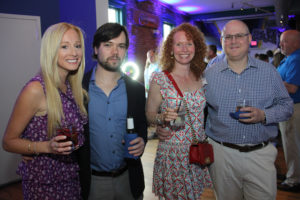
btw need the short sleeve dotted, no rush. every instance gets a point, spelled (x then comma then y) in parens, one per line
(160, 79)
(293, 76)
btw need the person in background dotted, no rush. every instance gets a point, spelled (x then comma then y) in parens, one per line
(278, 57)
(263, 57)
(216, 59)
(211, 52)
(54, 98)
(150, 67)
(289, 70)
(114, 97)
(244, 158)
(183, 55)
(270, 55)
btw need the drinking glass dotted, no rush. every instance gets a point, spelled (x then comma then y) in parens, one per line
(241, 103)
(179, 122)
(71, 134)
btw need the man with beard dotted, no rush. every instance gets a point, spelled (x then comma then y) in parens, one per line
(113, 97)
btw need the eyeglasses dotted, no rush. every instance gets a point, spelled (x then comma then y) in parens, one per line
(238, 36)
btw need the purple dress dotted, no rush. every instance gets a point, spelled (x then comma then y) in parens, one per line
(51, 176)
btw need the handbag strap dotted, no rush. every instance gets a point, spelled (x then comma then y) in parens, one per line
(195, 141)
(173, 82)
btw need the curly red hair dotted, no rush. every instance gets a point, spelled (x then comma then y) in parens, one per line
(192, 33)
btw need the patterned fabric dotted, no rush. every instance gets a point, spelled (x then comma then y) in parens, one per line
(173, 176)
(261, 85)
(50, 176)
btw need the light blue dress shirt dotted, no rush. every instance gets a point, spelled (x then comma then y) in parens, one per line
(107, 123)
(259, 83)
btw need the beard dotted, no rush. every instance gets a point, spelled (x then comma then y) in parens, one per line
(107, 66)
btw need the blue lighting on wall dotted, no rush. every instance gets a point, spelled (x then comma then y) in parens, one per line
(281, 29)
(291, 16)
(189, 9)
(171, 1)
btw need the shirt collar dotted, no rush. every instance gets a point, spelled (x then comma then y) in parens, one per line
(94, 74)
(224, 65)
(297, 52)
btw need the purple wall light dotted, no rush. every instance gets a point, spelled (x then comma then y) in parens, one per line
(190, 9)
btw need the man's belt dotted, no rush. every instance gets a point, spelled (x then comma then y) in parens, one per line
(246, 148)
(114, 173)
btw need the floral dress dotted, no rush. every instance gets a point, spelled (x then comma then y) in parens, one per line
(51, 176)
(173, 176)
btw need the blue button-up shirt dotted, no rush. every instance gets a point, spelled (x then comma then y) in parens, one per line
(107, 123)
(259, 83)
(289, 70)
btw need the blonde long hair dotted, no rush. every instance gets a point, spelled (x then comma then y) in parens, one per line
(48, 59)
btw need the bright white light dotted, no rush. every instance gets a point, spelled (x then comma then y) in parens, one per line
(166, 30)
(112, 15)
(131, 69)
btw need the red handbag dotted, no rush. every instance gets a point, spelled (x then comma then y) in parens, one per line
(201, 153)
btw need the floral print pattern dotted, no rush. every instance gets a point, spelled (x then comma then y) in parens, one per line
(173, 176)
(51, 176)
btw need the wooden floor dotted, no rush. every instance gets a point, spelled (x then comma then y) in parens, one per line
(14, 191)
(148, 160)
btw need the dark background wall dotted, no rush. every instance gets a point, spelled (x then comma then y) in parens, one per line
(80, 13)
(48, 10)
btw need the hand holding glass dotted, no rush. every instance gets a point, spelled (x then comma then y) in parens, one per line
(71, 135)
(180, 119)
(240, 103)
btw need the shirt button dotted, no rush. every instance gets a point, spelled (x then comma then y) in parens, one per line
(244, 137)
(113, 152)
(109, 118)
(108, 102)
(240, 90)
(111, 136)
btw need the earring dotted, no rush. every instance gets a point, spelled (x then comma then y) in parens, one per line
(172, 55)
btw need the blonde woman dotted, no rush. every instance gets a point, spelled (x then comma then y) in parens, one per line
(52, 99)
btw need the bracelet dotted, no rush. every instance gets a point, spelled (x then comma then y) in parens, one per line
(158, 119)
(29, 146)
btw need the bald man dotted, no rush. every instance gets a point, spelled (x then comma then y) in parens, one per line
(289, 70)
(244, 158)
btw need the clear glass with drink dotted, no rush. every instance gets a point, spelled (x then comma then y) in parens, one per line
(179, 122)
(71, 134)
(241, 103)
